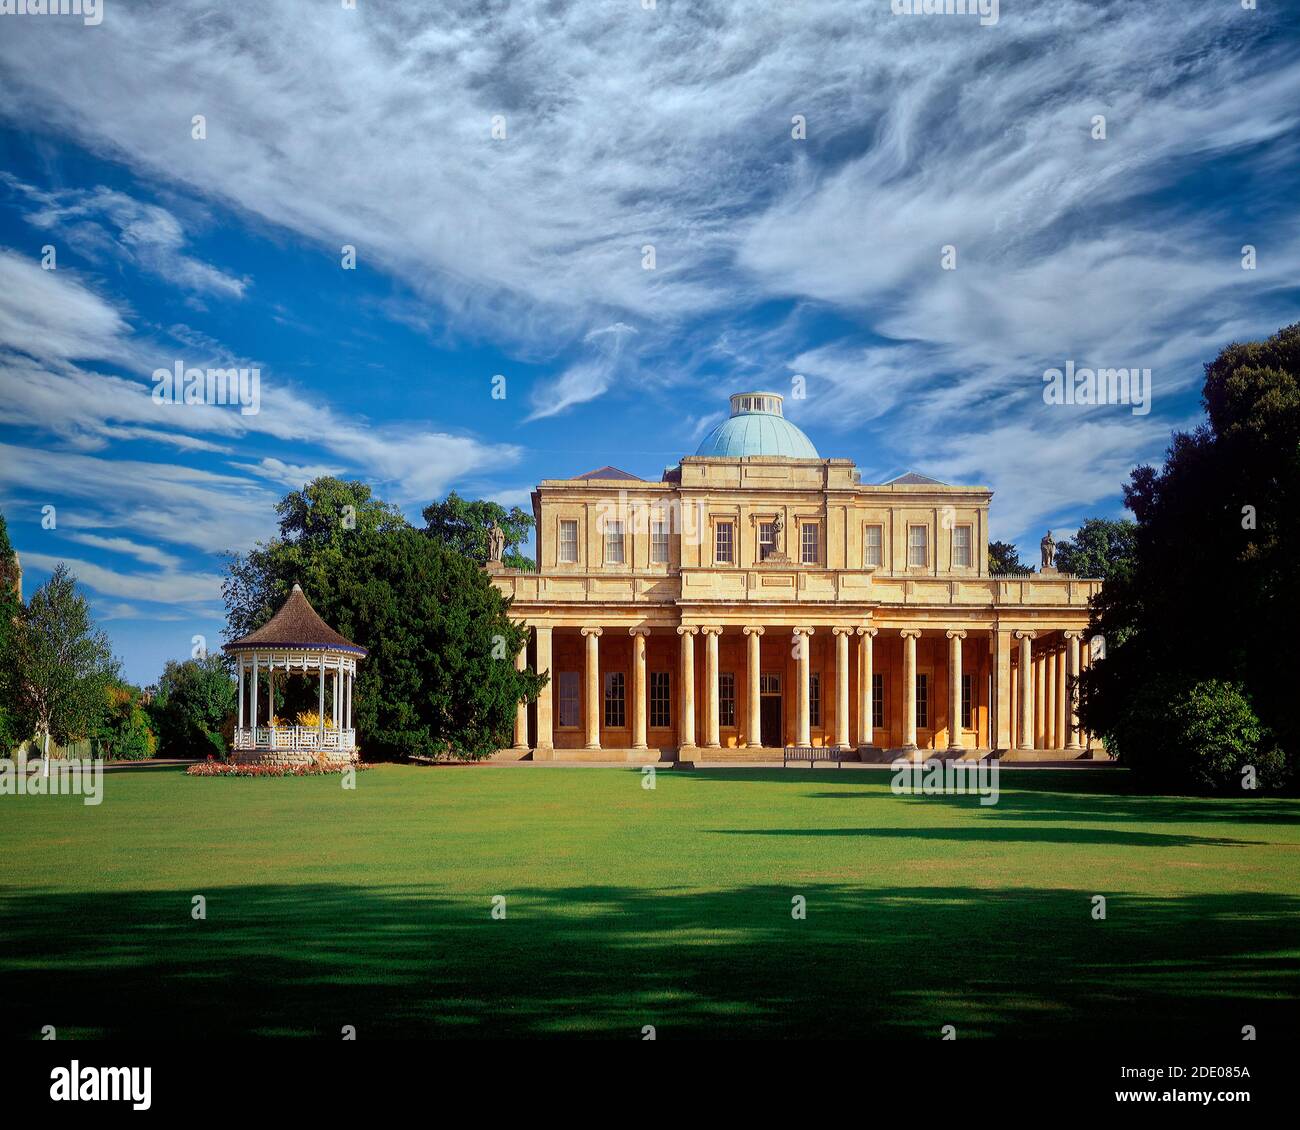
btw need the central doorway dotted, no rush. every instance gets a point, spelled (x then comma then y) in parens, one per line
(769, 711)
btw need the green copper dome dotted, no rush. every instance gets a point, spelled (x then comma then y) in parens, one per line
(757, 427)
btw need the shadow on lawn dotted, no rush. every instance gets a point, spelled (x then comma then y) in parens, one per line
(415, 961)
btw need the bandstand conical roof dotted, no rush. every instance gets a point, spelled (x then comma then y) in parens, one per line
(296, 625)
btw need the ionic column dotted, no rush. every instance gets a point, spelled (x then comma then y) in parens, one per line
(638, 687)
(1072, 691)
(1000, 732)
(866, 705)
(592, 686)
(1026, 689)
(521, 708)
(910, 636)
(842, 686)
(755, 715)
(545, 734)
(803, 726)
(686, 737)
(711, 725)
(1040, 701)
(955, 636)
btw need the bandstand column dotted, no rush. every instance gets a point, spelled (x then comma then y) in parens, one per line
(1072, 690)
(712, 737)
(320, 710)
(686, 737)
(755, 726)
(910, 636)
(803, 726)
(241, 692)
(638, 687)
(592, 686)
(955, 637)
(521, 707)
(1026, 689)
(842, 686)
(866, 703)
(253, 688)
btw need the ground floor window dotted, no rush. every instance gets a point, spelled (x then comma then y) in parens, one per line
(568, 698)
(965, 701)
(923, 702)
(815, 699)
(660, 699)
(878, 701)
(727, 698)
(615, 700)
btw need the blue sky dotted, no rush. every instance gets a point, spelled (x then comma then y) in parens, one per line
(522, 255)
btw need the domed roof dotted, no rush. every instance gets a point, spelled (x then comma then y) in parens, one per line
(757, 427)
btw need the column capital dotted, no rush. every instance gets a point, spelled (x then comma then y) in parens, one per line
(638, 631)
(687, 630)
(803, 631)
(867, 631)
(751, 630)
(956, 633)
(1026, 634)
(842, 631)
(913, 633)
(712, 630)
(592, 631)
(1074, 634)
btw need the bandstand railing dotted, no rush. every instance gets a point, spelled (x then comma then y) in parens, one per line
(294, 737)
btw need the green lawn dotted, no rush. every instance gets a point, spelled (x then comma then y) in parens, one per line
(628, 907)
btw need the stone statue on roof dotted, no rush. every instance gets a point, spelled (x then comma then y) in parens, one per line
(1048, 547)
(496, 544)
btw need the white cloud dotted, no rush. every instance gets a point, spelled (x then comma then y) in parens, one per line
(163, 586)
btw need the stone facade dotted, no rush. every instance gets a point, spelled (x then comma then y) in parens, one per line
(748, 601)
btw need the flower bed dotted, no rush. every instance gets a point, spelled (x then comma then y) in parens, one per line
(212, 768)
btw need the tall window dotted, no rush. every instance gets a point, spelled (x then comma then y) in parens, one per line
(873, 543)
(961, 546)
(660, 699)
(918, 545)
(568, 542)
(766, 540)
(923, 702)
(613, 542)
(815, 699)
(568, 698)
(659, 543)
(615, 704)
(810, 543)
(965, 703)
(724, 546)
(727, 698)
(878, 701)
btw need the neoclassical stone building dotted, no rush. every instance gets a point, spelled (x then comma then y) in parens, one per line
(759, 595)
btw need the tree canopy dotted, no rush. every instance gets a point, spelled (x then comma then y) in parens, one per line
(1005, 558)
(1101, 548)
(10, 609)
(193, 706)
(1212, 574)
(462, 525)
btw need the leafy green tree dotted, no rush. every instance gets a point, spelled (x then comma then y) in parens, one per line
(440, 677)
(316, 529)
(1214, 564)
(123, 732)
(62, 663)
(1102, 548)
(462, 525)
(10, 610)
(193, 708)
(1005, 558)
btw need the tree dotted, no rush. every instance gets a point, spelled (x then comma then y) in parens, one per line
(440, 676)
(462, 525)
(122, 732)
(317, 525)
(62, 663)
(193, 707)
(1005, 558)
(10, 610)
(1212, 573)
(1101, 548)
